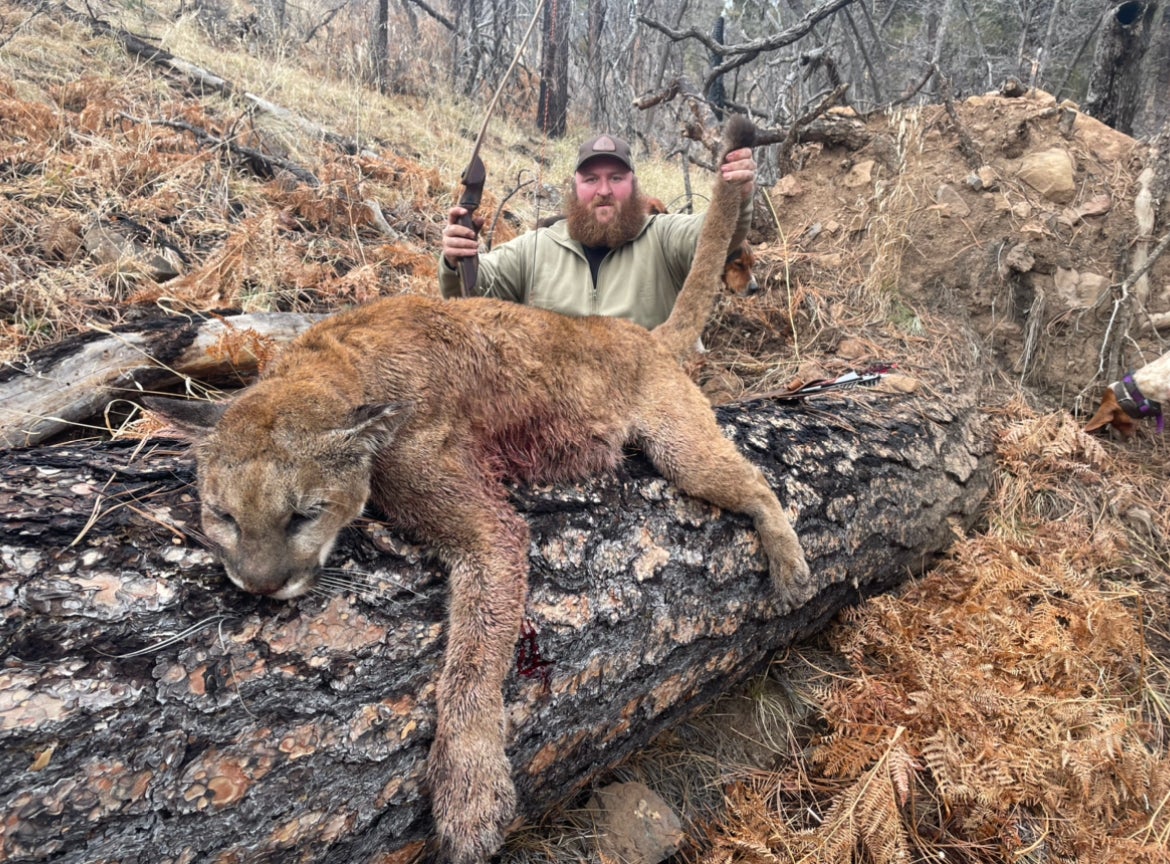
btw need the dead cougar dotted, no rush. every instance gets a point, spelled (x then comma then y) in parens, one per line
(427, 406)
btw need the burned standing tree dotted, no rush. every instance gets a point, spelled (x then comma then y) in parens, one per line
(282, 726)
(552, 110)
(716, 93)
(1131, 68)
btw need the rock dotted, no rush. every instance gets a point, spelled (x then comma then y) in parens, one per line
(1019, 209)
(859, 175)
(1079, 290)
(110, 246)
(1051, 173)
(1105, 142)
(1035, 229)
(894, 383)
(1098, 205)
(1013, 88)
(950, 202)
(853, 349)
(789, 186)
(1019, 259)
(634, 825)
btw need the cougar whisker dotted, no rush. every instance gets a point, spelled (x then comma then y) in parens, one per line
(171, 640)
(371, 579)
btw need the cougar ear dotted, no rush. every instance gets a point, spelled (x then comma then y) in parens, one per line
(375, 424)
(194, 418)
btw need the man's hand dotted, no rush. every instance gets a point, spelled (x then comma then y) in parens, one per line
(460, 241)
(739, 167)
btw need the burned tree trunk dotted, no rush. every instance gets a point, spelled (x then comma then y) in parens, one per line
(1130, 72)
(305, 726)
(552, 109)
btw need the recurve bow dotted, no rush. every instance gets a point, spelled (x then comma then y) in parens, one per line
(475, 174)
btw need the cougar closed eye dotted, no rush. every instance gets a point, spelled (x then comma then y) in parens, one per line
(221, 515)
(299, 519)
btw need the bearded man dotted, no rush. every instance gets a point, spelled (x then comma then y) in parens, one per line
(607, 257)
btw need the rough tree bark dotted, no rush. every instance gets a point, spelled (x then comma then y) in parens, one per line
(594, 30)
(716, 91)
(1131, 67)
(305, 726)
(381, 44)
(552, 110)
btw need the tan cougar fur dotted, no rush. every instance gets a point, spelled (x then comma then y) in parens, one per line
(426, 406)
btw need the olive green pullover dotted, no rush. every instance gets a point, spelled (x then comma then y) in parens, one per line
(638, 281)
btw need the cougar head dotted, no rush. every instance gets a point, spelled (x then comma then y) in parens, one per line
(279, 478)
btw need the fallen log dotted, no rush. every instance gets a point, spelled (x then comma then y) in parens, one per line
(305, 725)
(68, 383)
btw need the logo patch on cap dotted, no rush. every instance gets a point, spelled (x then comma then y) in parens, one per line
(605, 146)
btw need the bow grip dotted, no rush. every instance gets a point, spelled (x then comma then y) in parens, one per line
(473, 179)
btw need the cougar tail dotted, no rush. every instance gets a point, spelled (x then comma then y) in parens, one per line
(681, 331)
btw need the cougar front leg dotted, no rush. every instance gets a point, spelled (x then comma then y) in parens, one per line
(473, 797)
(730, 481)
(685, 443)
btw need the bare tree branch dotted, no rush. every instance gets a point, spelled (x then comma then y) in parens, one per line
(790, 139)
(874, 83)
(434, 13)
(910, 93)
(260, 163)
(665, 95)
(966, 143)
(37, 10)
(324, 22)
(745, 52)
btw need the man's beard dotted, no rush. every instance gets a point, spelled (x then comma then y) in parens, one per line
(624, 227)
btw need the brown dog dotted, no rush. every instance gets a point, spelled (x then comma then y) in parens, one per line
(427, 407)
(1140, 395)
(739, 271)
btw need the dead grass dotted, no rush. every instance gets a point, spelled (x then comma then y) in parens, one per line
(1010, 700)
(88, 135)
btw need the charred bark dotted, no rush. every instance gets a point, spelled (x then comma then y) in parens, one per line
(1130, 71)
(305, 725)
(552, 109)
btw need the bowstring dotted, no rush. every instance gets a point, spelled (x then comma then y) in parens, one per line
(543, 154)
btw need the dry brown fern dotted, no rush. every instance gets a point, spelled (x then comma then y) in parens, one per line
(1031, 713)
(243, 347)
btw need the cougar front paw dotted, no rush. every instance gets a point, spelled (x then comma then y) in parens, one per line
(473, 798)
(791, 579)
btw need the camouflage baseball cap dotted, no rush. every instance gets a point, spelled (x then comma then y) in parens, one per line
(605, 145)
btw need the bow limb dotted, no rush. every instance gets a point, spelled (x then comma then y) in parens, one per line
(475, 174)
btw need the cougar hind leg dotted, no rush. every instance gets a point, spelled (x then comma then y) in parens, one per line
(680, 436)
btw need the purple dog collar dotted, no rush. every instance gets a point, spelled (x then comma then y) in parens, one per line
(1135, 404)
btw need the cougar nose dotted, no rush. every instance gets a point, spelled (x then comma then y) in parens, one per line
(258, 570)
